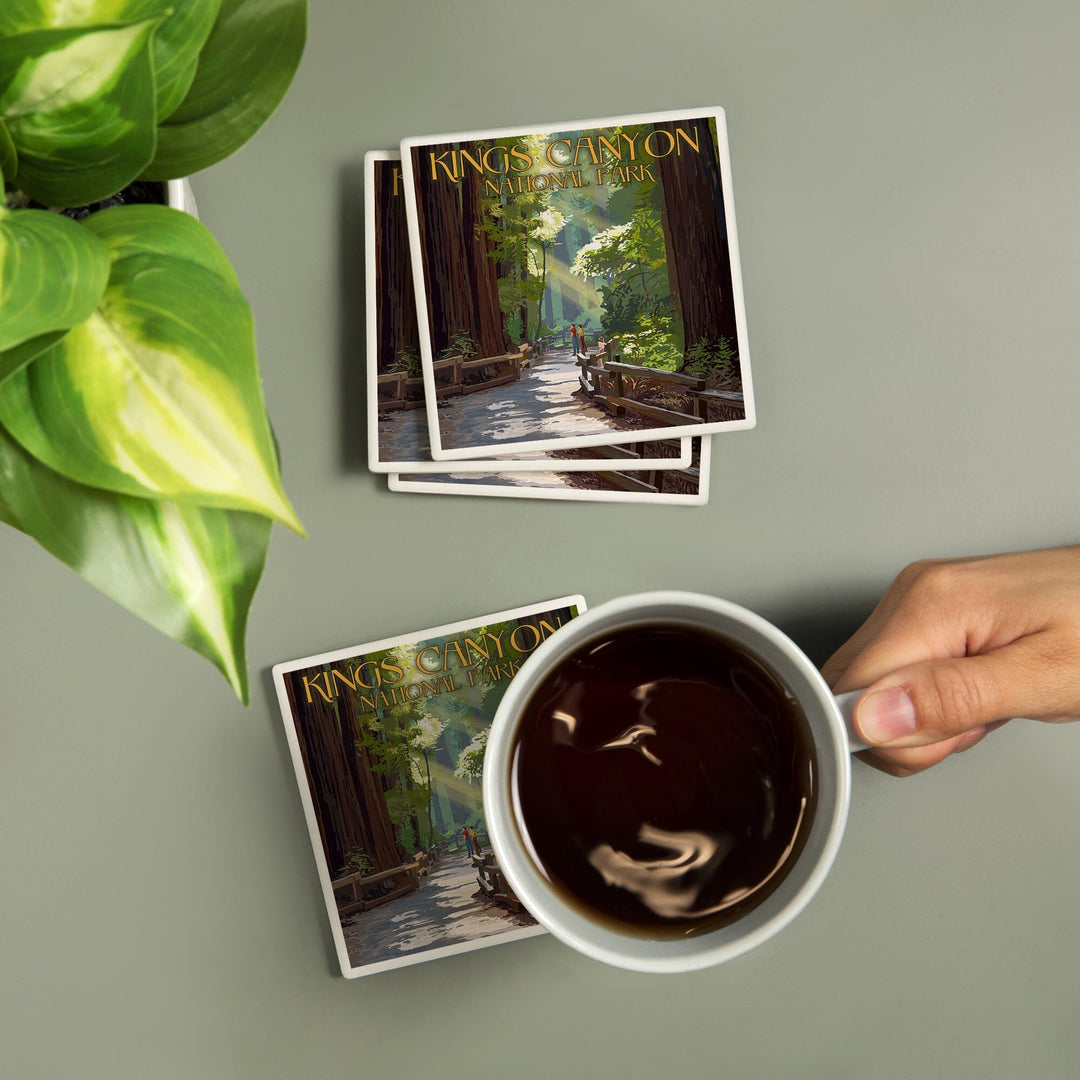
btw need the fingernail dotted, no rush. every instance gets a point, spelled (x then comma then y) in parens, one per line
(886, 715)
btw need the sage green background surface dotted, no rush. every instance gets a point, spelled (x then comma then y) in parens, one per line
(907, 184)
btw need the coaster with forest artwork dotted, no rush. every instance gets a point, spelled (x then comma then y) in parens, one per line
(604, 249)
(387, 740)
(397, 422)
(669, 486)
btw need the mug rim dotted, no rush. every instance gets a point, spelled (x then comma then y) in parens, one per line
(635, 951)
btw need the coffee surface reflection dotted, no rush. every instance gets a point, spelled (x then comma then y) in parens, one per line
(663, 779)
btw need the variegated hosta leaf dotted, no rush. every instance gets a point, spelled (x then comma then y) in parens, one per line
(15, 359)
(176, 44)
(155, 230)
(9, 157)
(245, 69)
(188, 570)
(53, 272)
(157, 394)
(7, 515)
(79, 106)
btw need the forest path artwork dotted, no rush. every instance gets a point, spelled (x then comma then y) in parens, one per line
(448, 910)
(623, 229)
(546, 399)
(388, 742)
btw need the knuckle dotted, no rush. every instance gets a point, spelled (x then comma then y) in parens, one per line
(923, 566)
(944, 594)
(913, 572)
(939, 579)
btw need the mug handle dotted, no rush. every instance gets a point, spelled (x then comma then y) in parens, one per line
(846, 704)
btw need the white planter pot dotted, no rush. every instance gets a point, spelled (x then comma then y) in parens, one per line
(178, 195)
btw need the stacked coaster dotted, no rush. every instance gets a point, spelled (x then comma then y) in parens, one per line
(556, 312)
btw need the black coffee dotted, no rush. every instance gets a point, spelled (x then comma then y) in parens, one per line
(665, 779)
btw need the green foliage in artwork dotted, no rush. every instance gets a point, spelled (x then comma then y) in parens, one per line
(715, 361)
(408, 361)
(512, 324)
(402, 744)
(404, 829)
(409, 743)
(470, 762)
(461, 344)
(356, 862)
(521, 229)
(630, 260)
(652, 343)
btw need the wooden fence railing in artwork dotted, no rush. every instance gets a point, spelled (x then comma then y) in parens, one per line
(611, 383)
(561, 338)
(492, 883)
(350, 891)
(652, 481)
(398, 391)
(362, 892)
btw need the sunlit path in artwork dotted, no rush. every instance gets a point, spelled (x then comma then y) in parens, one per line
(447, 909)
(540, 405)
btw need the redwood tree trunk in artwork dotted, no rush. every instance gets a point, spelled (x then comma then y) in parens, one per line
(382, 840)
(330, 781)
(482, 271)
(446, 263)
(695, 235)
(396, 312)
(349, 803)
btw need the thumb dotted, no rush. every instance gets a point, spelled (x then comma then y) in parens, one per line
(938, 699)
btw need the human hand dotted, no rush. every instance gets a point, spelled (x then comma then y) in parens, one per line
(956, 647)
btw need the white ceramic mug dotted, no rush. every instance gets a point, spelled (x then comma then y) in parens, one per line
(834, 740)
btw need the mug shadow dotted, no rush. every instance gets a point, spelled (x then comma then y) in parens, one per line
(819, 630)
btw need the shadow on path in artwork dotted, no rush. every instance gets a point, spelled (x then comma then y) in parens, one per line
(541, 405)
(449, 908)
(545, 403)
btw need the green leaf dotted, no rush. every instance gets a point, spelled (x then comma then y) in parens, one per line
(187, 570)
(157, 394)
(53, 272)
(7, 515)
(176, 44)
(79, 106)
(18, 357)
(9, 157)
(244, 70)
(147, 229)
